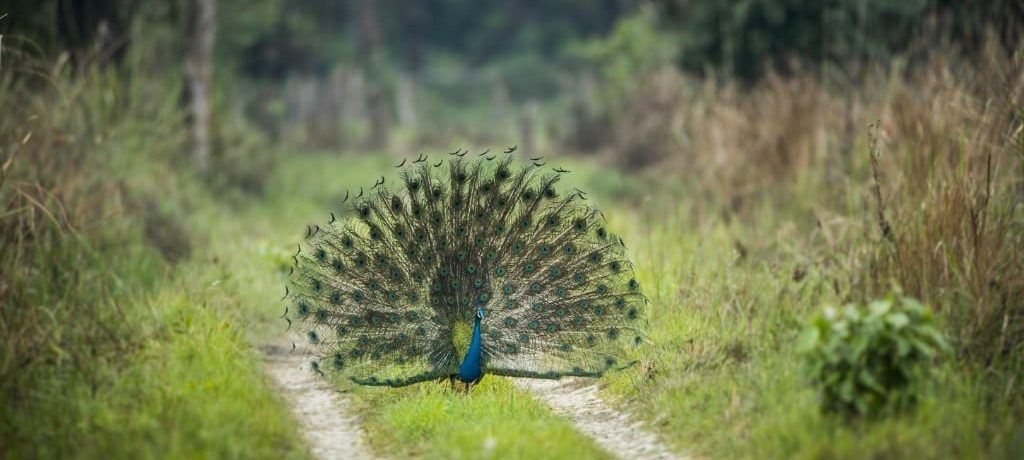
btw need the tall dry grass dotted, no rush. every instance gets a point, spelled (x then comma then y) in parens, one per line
(951, 157)
(948, 167)
(70, 219)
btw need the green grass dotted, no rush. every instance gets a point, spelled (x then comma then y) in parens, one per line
(720, 377)
(110, 348)
(183, 383)
(496, 420)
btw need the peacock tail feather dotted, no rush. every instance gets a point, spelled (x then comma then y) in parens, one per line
(388, 295)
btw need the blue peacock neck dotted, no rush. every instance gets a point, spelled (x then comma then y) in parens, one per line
(471, 369)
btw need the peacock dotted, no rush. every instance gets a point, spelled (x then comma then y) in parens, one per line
(469, 266)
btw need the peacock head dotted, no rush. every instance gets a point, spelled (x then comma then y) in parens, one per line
(480, 312)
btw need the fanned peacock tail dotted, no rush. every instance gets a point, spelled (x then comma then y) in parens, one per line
(388, 295)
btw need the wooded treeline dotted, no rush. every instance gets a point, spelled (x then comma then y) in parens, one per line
(275, 38)
(367, 74)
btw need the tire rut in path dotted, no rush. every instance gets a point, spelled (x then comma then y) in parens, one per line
(613, 430)
(323, 415)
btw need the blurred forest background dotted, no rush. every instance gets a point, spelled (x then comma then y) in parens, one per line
(585, 76)
(151, 150)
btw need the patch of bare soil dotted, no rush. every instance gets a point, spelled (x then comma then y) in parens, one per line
(326, 423)
(616, 432)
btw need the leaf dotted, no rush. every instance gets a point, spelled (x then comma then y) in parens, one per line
(807, 340)
(902, 347)
(912, 305)
(846, 389)
(859, 346)
(868, 379)
(922, 347)
(898, 320)
(880, 307)
(851, 313)
(937, 338)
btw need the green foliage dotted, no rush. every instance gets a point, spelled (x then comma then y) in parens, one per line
(634, 49)
(741, 37)
(108, 349)
(718, 378)
(869, 360)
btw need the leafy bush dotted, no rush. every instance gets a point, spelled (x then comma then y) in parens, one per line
(871, 359)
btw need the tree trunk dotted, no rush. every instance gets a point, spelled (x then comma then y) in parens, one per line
(369, 50)
(528, 123)
(405, 101)
(413, 17)
(200, 33)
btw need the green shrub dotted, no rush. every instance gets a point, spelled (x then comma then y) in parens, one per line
(872, 359)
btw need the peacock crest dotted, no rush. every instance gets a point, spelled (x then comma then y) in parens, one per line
(462, 255)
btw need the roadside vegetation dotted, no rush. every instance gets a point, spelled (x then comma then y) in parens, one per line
(127, 329)
(754, 189)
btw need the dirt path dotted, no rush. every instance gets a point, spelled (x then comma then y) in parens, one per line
(332, 434)
(577, 400)
(317, 406)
